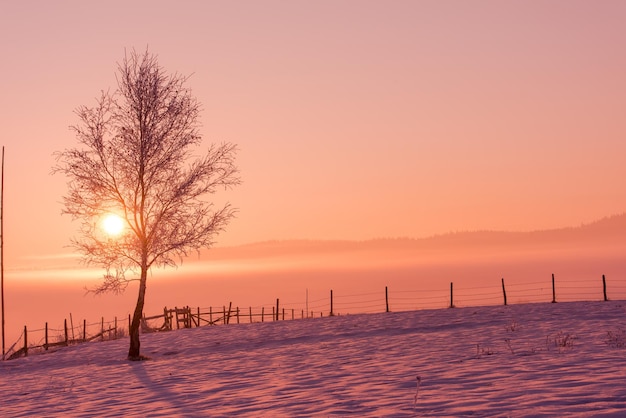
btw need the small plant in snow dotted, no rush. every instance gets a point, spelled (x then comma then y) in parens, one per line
(113, 334)
(513, 326)
(483, 351)
(508, 343)
(59, 386)
(616, 339)
(562, 341)
(417, 391)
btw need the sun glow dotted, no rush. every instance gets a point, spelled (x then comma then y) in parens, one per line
(113, 225)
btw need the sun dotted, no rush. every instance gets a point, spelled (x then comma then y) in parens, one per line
(112, 224)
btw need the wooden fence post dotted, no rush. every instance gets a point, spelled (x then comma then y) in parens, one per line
(129, 323)
(115, 332)
(504, 291)
(451, 295)
(274, 314)
(250, 314)
(262, 313)
(72, 325)
(332, 313)
(45, 346)
(211, 315)
(66, 335)
(277, 318)
(604, 287)
(553, 290)
(102, 329)
(386, 299)
(25, 341)
(293, 314)
(237, 314)
(84, 330)
(283, 314)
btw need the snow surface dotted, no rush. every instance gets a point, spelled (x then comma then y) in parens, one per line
(521, 360)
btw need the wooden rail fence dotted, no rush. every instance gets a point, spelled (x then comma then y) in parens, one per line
(187, 317)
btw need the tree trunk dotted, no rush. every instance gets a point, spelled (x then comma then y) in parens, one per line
(133, 352)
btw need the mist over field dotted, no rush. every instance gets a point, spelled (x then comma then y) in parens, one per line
(417, 273)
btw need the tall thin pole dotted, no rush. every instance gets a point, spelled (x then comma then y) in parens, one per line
(2, 248)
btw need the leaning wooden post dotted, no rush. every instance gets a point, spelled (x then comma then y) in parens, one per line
(45, 346)
(504, 291)
(25, 341)
(451, 295)
(332, 313)
(386, 299)
(66, 337)
(553, 290)
(72, 325)
(604, 287)
(250, 314)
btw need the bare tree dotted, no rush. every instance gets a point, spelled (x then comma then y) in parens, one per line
(136, 159)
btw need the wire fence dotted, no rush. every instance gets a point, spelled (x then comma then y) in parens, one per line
(386, 300)
(43, 339)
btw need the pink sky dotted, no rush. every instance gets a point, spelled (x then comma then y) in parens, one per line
(355, 119)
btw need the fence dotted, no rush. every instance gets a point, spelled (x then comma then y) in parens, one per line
(187, 317)
(334, 304)
(64, 337)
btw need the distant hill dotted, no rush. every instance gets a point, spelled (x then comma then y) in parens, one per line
(601, 235)
(606, 231)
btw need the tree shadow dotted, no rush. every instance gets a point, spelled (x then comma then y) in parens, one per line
(159, 387)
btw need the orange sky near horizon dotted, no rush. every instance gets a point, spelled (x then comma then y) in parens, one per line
(355, 119)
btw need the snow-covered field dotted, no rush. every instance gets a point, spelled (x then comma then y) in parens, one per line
(563, 359)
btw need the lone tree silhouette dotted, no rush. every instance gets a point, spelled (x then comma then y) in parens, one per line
(136, 159)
